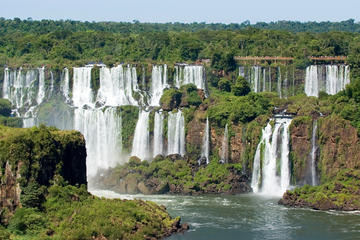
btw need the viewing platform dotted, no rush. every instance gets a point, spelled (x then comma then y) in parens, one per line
(257, 59)
(329, 59)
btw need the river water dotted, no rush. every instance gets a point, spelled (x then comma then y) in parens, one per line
(250, 216)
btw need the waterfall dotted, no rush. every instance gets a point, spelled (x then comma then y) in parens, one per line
(242, 71)
(270, 80)
(82, 93)
(25, 89)
(264, 80)
(158, 134)
(102, 132)
(186, 74)
(158, 84)
(117, 85)
(41, 91)
(272, 155)
(311, 81)
(225, 146)
(336, 79)
(279, 83)
(256, 78)
(206, 143)
(65, 88)
(313, 155)
(141, 142)
(264, 143)
(176, 133)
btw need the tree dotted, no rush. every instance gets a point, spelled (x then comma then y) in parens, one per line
(241, 87)
(225, 85)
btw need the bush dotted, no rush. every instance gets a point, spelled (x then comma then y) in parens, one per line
(224, 85)
(33, 195)
(242, 87)
(5, 107)
(27, 221)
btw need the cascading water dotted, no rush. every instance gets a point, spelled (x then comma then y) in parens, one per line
(102, 131)
(141, 142)
(313, 155)
(185, 74)
(336, 78)
(117, 85)
(311, 81)
(65, 88)
(256, 78)
(279, 83)
(271, 174)
(41, 91)
(82, 92)
(206, 143)
(225, 146)
(158, 148)
(176, 133)
(158, 84)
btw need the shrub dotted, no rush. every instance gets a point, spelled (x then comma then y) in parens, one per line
(242, 87)
(224, 85)
(5, 107)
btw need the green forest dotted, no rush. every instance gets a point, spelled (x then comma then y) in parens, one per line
(58, 43)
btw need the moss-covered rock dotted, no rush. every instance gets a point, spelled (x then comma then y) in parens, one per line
(341, 193)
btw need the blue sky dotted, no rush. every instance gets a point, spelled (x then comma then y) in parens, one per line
(225, 11)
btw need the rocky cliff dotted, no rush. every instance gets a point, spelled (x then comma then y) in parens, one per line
(37, 156)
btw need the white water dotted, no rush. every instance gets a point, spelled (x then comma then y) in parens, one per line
(194, 74)
(225, 146)
(82, 93)
(313, 155)
(279, 83)
(206, 143)
(256, 78)
(102, 132)
(65, 88)
(336, 78)
(117, 85)
(272, 180)
(176, 133)
(141, 142)
(25, 89)
(41, 91)
(158, 84)
(158, 134)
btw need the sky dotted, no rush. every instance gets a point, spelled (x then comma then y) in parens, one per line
(220, 11)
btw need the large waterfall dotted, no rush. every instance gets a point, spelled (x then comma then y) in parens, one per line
(328, 78)
(117, 85)
(206, 143)
(271, 173)
(96, 112)
(141, 142)
(82, 93)
(158, 134)
(158, 84)
(176, 133)
(102, 132)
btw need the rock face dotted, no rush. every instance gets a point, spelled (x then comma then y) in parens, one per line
(38, 155)
(339, 147)
(300, 144)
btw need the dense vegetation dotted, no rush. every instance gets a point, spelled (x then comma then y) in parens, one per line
(5, 113)
(45, 26)
(60, 43)
(51, 200)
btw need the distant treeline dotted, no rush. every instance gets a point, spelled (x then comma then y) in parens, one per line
(46, 26)
(70, 43)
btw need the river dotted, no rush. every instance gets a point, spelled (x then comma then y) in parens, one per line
(250, 216)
